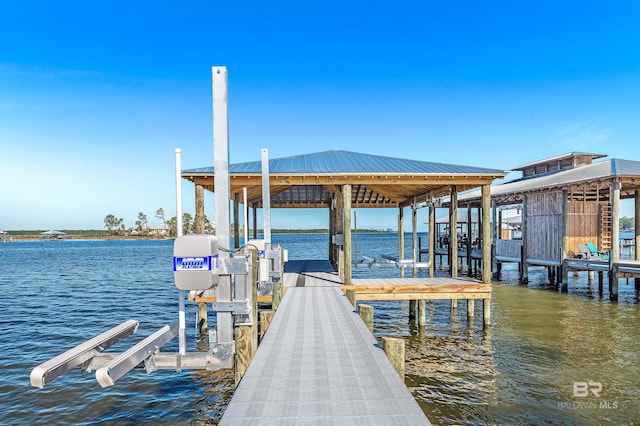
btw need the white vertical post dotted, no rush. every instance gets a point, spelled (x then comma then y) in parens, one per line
(222, 191)
(246, 215)
(266, 196)
(178, 192)
(182, 329)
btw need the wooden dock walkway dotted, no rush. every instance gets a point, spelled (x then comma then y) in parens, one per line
(318, 363)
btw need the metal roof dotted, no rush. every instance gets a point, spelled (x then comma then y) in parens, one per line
(561, 157)
(347, 162)
(310, 180)
(602, 172)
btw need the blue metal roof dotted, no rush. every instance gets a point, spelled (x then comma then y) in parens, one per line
(347, 162)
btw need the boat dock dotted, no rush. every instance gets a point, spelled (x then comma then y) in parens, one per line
(318, 363)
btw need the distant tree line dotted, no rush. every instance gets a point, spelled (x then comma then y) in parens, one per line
(627, 222)
(169, 227)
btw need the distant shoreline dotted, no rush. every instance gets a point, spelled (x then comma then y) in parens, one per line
(36, 235)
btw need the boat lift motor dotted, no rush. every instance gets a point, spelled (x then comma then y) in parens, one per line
(270, 260)
(197, 265)
(196, 262)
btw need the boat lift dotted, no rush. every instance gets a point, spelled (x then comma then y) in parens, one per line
(197, 265)
(200, 263)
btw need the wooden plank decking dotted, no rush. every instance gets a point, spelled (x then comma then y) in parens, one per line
(437, 288)
(318, 364)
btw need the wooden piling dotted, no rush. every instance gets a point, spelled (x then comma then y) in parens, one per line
(412, 309)
(394, 348)
(346, 193)
(432, 241)
(422, 314)
(265, 320)
(236, 220)
(486, 235)
(351, 295)
(199, 219)
(366, 313)
(454, 307)
(486, 312)
(453, 232)
(246, 336)
(276, 297)
(244, 351)
(470, 310)
(401, 237)
(203, 319)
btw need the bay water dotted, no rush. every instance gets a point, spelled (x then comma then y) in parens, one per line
(548, 357)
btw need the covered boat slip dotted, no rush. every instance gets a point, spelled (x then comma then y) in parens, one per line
(340, 181)
(318, 363)
(566, 202)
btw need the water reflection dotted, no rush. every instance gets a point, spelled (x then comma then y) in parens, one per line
(522, 369)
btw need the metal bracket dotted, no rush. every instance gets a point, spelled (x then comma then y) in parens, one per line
(272, 254)
(233, 307)
(265, 288)
(234, 266)
(224, 351)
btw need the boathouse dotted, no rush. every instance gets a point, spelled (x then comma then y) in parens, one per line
(566, 202)
(341, 180)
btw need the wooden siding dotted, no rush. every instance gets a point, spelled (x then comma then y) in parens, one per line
(584, 224)
(508, 248)
(544, 225)
(589, 218)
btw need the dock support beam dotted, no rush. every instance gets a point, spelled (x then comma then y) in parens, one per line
(486, 312)
(394, 348)
(332, 232)
(486, 234)
(469, 241)
(491, 240)
(255, 221)
(564, 286)
(265, 320)
(339, 227)
(366, 313)
(453, 232)
(432, 241)
(614, 255)
(246, 336)
(422, 313)
(636, 246)
(276, 296)
(203, 318)
(346, 194)
(236, 220)
(524, 275)
(401, 237)
(486, 250)
(199, 219)
(636, 250)
(414, 270)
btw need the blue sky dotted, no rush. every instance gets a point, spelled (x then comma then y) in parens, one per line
(95, 96)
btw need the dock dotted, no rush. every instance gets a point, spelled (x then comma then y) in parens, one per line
(318, 363)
